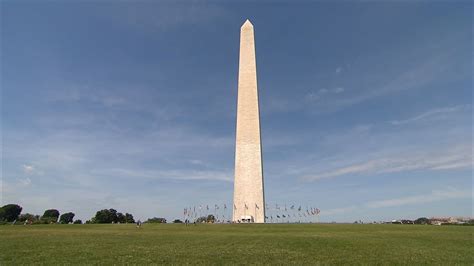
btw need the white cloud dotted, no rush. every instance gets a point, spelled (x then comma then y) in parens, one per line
(153, 18)
(84, 93)
(457, 158)
(339, 210)
(168, 174)
(422, 71)
(2, 191)
(432, 113)
(435, 195)
(314, 96)
(454, 165)
(196, 162)
(338, 70)
(25, 182)
(28, 169)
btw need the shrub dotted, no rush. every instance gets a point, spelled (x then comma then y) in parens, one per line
(31, 218)
(48, 220)
(422, 220)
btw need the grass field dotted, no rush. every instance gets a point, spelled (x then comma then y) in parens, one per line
(236, 244)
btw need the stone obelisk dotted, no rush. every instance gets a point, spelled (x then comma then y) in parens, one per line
(249, 203)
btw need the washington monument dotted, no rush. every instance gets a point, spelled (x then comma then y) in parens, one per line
(249, 203)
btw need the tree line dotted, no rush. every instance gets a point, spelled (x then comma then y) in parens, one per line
(11, 213)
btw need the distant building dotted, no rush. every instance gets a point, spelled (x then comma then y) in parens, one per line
(450, 220)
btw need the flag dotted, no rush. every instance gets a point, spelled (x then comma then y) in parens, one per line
(225, 207)
(284, 216)
(299, 209)
(207, 207)
(246, 207)
(216, 207)
(285, 208)
(256, 206)
(278, 216)
(292, 207)
(317, 211)
(235, 207)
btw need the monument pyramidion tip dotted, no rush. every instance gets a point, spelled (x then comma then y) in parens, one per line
(247, 24)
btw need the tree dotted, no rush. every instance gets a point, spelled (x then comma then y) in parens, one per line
(113, 215)
(66, 218)
(102, 217)
(50, 216)
(120, 218)
(105, 216)
(10, 212)
(209, 219)
(77, 222)
(156, 220)
(129, 218)
(201, 219)
(177, 221)
(422, 220)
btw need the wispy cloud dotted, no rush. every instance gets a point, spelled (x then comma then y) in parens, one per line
(428, 64)
(168, 174)
(432, 113)
(25, 182)
(341, 210)
(459, 158)
(449, 193)
(314, 96)
(150, 17)
(435, 195)
(2, 190)
(81, 93)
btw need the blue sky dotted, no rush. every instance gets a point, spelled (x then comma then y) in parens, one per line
(366, 108)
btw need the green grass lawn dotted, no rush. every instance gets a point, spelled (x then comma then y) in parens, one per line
(236, 244)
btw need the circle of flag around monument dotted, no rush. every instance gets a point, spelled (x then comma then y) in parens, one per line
(274, 213)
